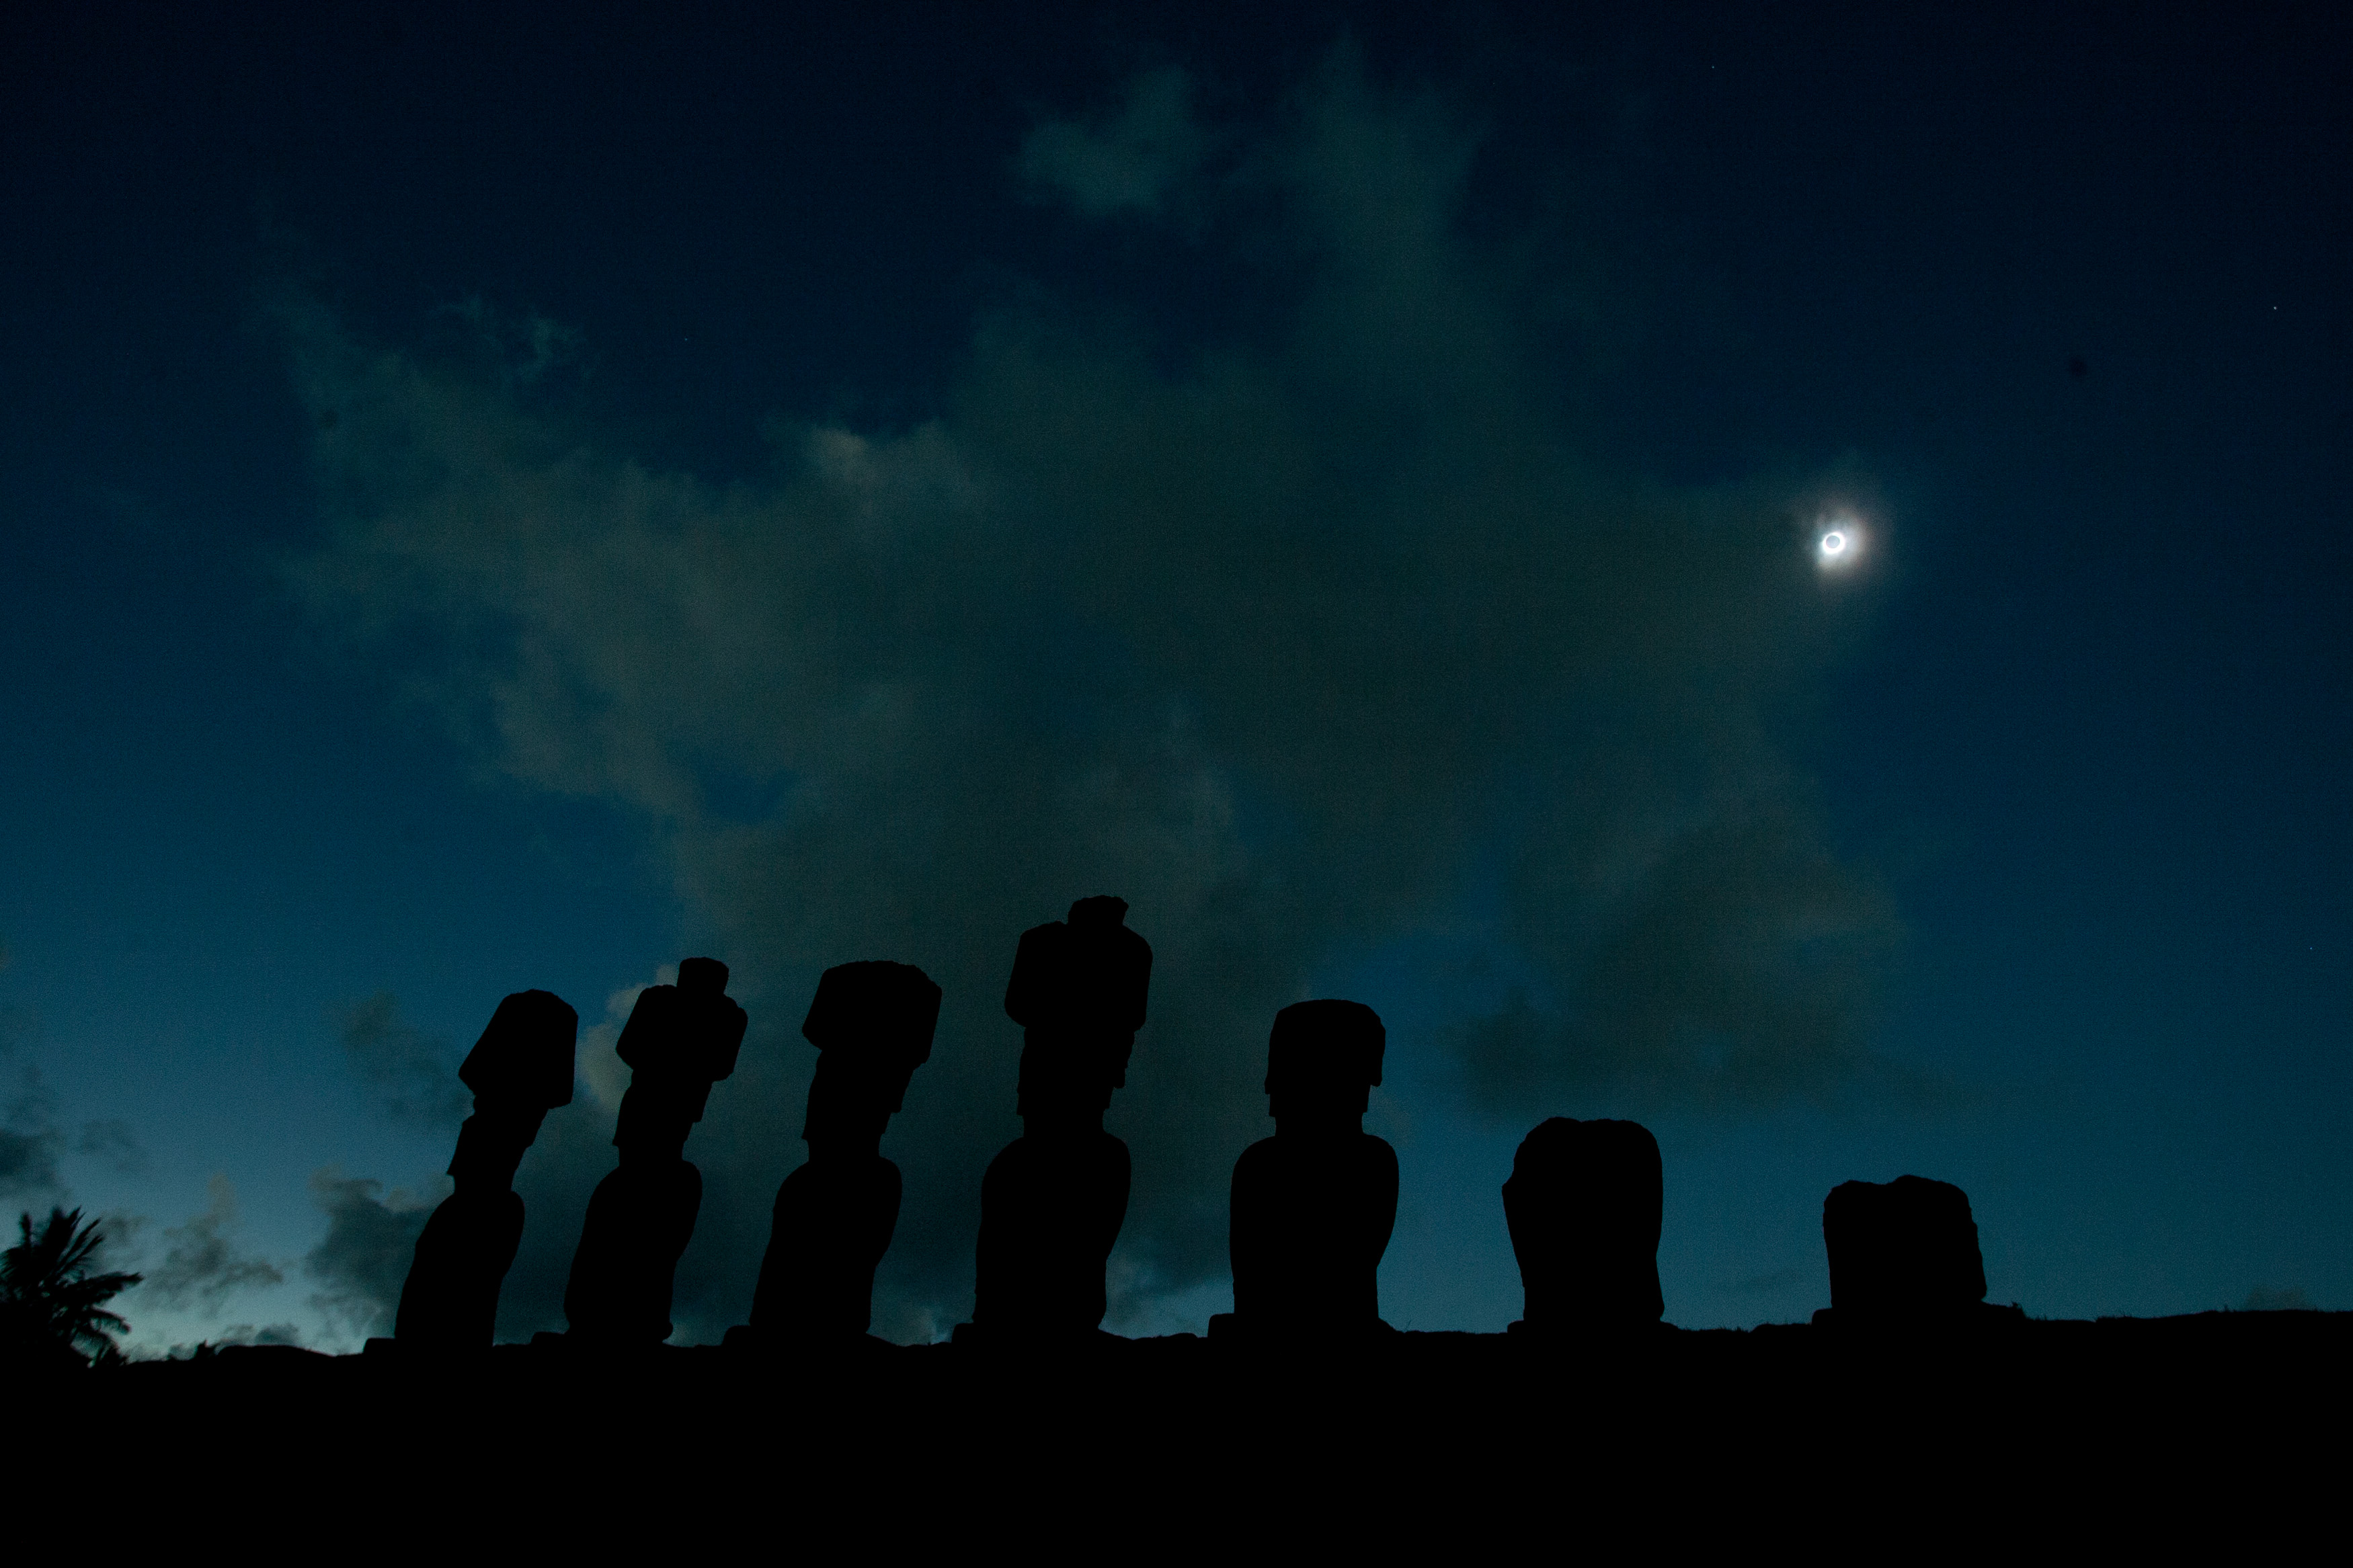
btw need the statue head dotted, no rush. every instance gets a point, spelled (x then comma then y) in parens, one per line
(873, 1024)
(519, 1070)
(524, 1059)
(1323, 1060)
(679, 1040)
(1601, 1184)
(1904, 1249)
(1078, 991)
(690, 1032)
(1584, 1204)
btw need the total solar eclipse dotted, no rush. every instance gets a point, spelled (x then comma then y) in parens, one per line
(1838, 541)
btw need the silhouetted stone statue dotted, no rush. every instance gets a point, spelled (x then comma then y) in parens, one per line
(1053, 1200)
(1901, 1255)
(679, 1041)
(1584, 1204)
(872, 1025)
(1313, 1206)
(519, 1070)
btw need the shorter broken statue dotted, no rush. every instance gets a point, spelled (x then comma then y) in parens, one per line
(1584, 1204)
(1903, 1255)
(872, 1025)
(519, 1070)
(679, 1041)
(1053, 1200)
(1312, 1207)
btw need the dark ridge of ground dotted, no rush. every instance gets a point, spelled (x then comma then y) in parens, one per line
(2010, 1434)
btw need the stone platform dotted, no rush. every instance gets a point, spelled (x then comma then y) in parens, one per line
(2010, 1434)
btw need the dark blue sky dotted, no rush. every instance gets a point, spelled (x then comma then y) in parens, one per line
(2054, 299)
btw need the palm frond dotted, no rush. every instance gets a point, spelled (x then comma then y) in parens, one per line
(46, 1283)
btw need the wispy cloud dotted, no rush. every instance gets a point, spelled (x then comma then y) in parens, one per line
(364, 1260)
(413, 1076)
(29, 1139)
(2262, 1300)
(202, 1264)
(28, 1143)
(1128, 162)
(113, 1141)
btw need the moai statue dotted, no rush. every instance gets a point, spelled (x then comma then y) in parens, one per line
(1053, 1200)
(1584, 1204)
(519, 1070)
(1312, 1207)
(872, 1025)
(679, 1041)
(1901, 1254)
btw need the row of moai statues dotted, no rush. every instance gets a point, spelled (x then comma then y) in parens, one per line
(1312, 1207)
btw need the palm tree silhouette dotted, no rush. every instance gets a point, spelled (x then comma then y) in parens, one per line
(52, 1304)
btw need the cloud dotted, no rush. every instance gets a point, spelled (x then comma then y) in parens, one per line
(363, 1260)
(234, 1334)
(113, 1141)
(28, 1144)
(2261, 1299)
(29, 1139)
(266, 1334)
(1129, 162)
(413, 1076)
(1721, 956)
(201, 1264)
(1302, 644)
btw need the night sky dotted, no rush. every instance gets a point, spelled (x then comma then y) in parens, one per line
(497, 498)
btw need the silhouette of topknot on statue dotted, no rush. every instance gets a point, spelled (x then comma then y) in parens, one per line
(872, 1025)
(1584, 1204)
(519, 1070)
(1903, 1255)
(1312, 1207)
(679, 1040)
(1054, 1198)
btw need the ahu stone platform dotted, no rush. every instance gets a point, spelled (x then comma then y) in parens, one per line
(2221, 1430)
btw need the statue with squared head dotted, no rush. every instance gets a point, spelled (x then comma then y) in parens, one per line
(1903, 1255)
(1312, 1207)
(1053, 1200)
(872, 1025)
(519, 1070)
(679, 1040)
(1584, 1204)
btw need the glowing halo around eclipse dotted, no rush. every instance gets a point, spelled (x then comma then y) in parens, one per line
(1838, 544)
